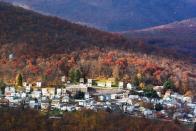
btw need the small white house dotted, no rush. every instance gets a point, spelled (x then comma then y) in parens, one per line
(89, 82)
(44, 105)
(102, 98)
(101, 84)
(130, 86)
(187, 99)
(65, 99)
(17, 94)
(76, 88)
(130, 109)
(113, 96)
(82, 103)
(27, 89)
(38, 84)
(158, 88)
(120, 85)
(36, 94)
(87, 95)
(45, 92)
(10, 91)
(105, 97)
(58, 91)
(63, 79)
(81, 80)
(159, 94)
(63, 107)
(71, 108)
(23, 95)
(167, 93)
(108, 97)
(11, 56)
(109, 84)
(24, 84)
(51, 91)
(133, 96)
(147, 112)
(33, 104)
(64, 91)
(55, 103)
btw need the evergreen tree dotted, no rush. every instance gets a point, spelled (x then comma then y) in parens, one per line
(19, 80)
(77, 75)
(72, 75)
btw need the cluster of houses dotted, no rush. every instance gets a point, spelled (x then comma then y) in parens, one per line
(108, 83)
(172, 105)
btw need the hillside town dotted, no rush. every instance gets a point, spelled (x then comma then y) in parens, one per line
(104, 95)
(115, 66)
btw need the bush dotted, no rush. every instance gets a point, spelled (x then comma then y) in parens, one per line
(169, 85)
(150, 93)
(158, 107)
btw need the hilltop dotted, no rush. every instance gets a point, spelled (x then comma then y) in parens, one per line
(44, 48)
(114, 15)
(178, 36)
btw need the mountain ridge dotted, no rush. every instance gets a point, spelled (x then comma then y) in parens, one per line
(179, 36)
(115, 15)
(187, 23)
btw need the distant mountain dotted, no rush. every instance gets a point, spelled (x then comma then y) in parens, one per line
(115, 15)
(46, 35)
(179, 36)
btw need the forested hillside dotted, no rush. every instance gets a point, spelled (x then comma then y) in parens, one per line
(179, 36)
(17, 119)
(45, 48)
